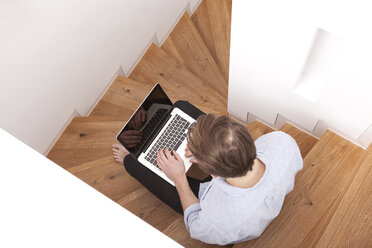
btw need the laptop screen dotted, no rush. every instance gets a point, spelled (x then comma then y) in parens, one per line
(145, 121)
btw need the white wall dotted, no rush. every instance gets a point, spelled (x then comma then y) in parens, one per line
(305, 60)
(58, 56)
(46, 207)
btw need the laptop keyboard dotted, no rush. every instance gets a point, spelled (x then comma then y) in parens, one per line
(171, 138)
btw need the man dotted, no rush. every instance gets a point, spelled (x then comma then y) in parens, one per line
(250, 179)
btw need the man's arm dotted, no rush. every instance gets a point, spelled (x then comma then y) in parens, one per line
(186, 195)
(174, 168)
(199, 228)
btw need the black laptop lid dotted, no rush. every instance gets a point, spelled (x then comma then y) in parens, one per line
(144, 123)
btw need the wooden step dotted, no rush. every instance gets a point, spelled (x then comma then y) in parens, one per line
(185, 44)
(328, 170)
(107, 176)
(122, 98)
(351, 223)
(257, 129)
(171, 49)
(304, 140)
(85, 139)
(104, 108)
(178, 82)
(69, 157)
(89, 132)
(213, 21)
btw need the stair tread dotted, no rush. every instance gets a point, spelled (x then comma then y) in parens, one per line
(178, 82)
(104, 108)
(317, 192)
(305, 141)
(85, 139)
(185, 40)
(213, 21)
(122, 98)
(89, 134)
(106, 176)
(349, 224)
(90, 119)
(171, 48)
(69, 157)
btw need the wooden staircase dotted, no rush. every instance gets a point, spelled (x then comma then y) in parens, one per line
(330, 204)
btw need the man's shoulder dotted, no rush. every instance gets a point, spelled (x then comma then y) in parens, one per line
(275, 138)
(278, 147)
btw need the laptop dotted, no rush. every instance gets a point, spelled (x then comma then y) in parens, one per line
(155, 125)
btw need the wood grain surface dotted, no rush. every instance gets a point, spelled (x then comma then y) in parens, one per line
(185, 41)
(213, 21)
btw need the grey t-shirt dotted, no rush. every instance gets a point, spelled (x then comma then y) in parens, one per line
(228, 214)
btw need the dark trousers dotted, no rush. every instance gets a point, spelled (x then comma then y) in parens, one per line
(157, 185)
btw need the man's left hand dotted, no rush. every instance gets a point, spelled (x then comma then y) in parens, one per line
(172, 166)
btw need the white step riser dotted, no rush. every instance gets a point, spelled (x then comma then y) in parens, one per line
(364, 140)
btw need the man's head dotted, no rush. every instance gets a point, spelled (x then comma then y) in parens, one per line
(222, 146)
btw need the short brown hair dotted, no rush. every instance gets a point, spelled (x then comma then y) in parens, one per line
(222, 146)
